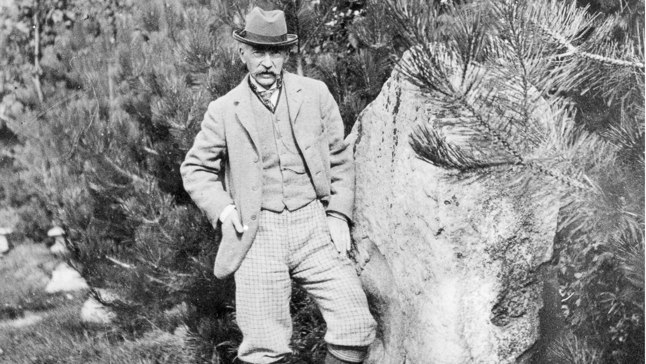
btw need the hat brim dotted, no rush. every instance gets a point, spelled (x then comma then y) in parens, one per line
(291, 40)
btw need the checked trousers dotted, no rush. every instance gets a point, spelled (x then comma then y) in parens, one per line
(297, 245)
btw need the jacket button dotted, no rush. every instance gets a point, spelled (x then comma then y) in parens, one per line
(255, 159)
(253, 217)
(254, 188)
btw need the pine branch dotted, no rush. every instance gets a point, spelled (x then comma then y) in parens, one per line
(80, 134)
(422, 68)
(498, 138)
(131, 176)
(433, 66)
(150, 151)
(456, 159)
(119, 263)
(316, 30)
(165, 233)
(575, 51)
(432, 147)
(560, 177)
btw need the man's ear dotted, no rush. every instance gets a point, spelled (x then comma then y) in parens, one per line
(241, 50)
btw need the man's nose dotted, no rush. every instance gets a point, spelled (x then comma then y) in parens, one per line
(266, 61)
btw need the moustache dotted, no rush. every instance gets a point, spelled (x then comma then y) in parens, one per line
(263, 73)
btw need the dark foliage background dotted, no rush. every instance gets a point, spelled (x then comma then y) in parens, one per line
(101, 100)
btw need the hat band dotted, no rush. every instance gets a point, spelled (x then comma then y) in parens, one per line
(263, 38)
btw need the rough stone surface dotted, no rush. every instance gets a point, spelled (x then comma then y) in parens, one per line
(65, 279)
(453, 265)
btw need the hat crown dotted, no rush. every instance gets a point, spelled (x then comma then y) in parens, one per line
(265, 28)
(267, 23)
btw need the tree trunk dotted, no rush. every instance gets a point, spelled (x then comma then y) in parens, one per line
(451, 267)
(37, 71)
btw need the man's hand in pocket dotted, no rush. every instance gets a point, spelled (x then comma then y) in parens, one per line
(340, 234)
(232, 222)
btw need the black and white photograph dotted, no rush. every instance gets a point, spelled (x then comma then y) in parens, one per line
(322, 181)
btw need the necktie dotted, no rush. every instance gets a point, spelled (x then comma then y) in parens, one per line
(265, 95)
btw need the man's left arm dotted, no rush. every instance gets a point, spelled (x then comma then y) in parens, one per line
(341, 204)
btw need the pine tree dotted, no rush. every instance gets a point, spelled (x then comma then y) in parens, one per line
(134, 80)
(125, 84)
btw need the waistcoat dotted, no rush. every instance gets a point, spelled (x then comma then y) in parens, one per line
(285, 179)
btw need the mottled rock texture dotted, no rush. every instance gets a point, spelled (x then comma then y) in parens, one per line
(453, 265)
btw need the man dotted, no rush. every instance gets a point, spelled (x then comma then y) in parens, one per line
(284, 200)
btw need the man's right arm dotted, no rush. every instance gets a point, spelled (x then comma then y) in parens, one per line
(201, 170)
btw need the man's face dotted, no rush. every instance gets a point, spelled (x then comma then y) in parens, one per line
(263, 63)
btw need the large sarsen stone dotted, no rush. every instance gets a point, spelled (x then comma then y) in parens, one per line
(453, 265)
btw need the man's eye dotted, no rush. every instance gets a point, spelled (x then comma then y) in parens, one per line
(275, 54)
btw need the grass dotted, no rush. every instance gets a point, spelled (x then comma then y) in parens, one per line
(41, 328)
(25, 271)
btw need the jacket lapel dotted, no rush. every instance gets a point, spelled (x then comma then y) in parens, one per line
(242, 102)
(293, 94)
(244, 112)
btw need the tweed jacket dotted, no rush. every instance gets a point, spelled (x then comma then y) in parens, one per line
(224, 166)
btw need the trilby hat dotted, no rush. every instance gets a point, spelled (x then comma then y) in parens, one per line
(265, 28)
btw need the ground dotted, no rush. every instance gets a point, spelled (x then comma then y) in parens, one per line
(41, 328)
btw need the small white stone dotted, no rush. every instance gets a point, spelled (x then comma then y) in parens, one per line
(59, 247)
(107, 295)
(95, 312)
(65, 279)
(4, 244)
(55, 231)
